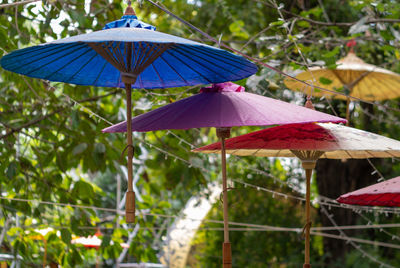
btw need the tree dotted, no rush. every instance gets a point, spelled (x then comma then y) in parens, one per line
(52, 148)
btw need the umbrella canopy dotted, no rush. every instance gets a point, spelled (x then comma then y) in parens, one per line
(352, 76)
(87, 242)
(309, 142)
(93, 241)
(223, 105)
(385, 193)
(128, 48)
(128, 53)
(332, 140)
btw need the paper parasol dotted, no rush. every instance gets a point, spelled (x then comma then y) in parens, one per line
(383, 194)
(309, 142)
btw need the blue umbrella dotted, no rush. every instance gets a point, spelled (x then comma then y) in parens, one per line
(128, 53)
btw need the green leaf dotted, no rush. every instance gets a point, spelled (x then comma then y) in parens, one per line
(332, 53)
(99, 148)
(237, 29)
(66, 236)
(277, 23)
(12, 170)
(80, 148)
(83, 190)
(325, 81)
(106, 241)
(304, 24)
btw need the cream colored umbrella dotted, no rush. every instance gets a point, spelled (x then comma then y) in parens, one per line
(309, 142)
(352, 76)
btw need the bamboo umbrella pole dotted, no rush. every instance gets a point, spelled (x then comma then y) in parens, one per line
(45, 251)
(348, 111)
(308, 166)
(308, 161)
(130, 194)
(224, 133)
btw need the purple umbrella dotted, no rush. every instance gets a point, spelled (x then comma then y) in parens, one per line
(223, 106)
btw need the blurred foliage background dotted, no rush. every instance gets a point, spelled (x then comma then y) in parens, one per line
(52, 148)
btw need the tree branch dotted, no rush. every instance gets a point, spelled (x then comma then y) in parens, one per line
(37, 120)
(322, 23)
(18, 3)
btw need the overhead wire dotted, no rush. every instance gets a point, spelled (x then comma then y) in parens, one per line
(248, 226)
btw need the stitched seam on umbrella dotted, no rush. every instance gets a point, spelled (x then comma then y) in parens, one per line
(45, 56)
(88, 50)
(201, 64)
(213, 63)
(172, 55)
(102, 69)
(84, 65)
(222, 55)
(161, 57)
(56, 59)
(34, 51)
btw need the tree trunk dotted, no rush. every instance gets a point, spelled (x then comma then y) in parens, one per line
(334, 178)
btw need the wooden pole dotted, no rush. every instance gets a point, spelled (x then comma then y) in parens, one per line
(130, 194)
(348, 111)
(308, 166)
(223, 133)
(45, 251)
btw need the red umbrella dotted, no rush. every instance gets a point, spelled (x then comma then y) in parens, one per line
(384, 194)
(93, 241)
(309, 142)
(223, 106)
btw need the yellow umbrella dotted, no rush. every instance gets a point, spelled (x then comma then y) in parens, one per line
(352, 76)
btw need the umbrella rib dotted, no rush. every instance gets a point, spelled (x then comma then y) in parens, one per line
(57, 49)
(72, 60)
(370, 154)
(213, 63)
(52, 61)
(83, 66)
(140, 81)
(392, 155)
(202, 65)
(147, 57)
(389, 86)
(255, 152)
(38, 48)
(135, 56)
(184, 63)
(234, 151)
(105, 53)
(159, 77)
(350, 156)
(139, 57)
(358, 79)
(183, 79)
(218, 56)
(116, 53)
(369, 86)
(154, 53)
(102, 69)
(376, 199)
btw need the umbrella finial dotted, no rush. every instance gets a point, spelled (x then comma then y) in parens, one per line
(309, 103)
(351, 44)
(129, 10)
